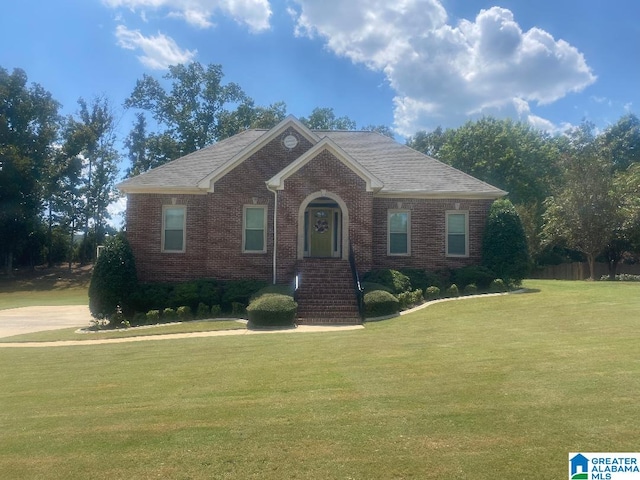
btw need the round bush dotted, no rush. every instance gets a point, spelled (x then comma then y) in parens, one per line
(272, 310)
(470, 289)
(452, 291)
(392, 279)
(432, 293)
(498, 286)
(379, 303)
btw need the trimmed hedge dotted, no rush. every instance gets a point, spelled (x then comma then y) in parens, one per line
(432, 293)
(410, 299)
(379, 303)
(272, 309)
(392, 279)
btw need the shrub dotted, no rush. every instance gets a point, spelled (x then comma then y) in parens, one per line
(238, 309)
(151, 296)
(114, 279)
(452, 291)
(409, 299)
(272, 309)
(183, 313)
(504, 245)
(240, 292)
(168, 314)
(371, 286)
(184, 294)
(480, 276)
(139, 319)
(153, 316)
(379, 303)
(203, 311)
(392, 279)
(216, 310)
(432, 293)
(279, 289)
(498, 286)
(470, 289)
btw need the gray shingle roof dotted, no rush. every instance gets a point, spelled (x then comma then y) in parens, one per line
(401, 169)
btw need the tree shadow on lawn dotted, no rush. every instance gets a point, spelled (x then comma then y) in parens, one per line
(43, 278)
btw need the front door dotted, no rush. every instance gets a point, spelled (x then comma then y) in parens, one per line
(321, 232)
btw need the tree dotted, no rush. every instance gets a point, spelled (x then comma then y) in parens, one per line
(94, 133)
(29, 125)
(191, 115)
(381, 129)
(504, 244)
(325, 119)
(432, 142)
(584, 213)
(622, 142)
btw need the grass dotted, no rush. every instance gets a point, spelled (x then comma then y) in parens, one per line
(485, 388)
(44, 287)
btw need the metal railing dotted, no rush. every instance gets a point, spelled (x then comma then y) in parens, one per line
(357, 286)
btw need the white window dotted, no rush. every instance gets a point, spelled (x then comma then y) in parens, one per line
(399, 232)
(173, 228)
(457, 234)
(254, 238)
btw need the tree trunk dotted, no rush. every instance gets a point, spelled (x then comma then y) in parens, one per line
(613, 269)
(591, 259)
(8, 265)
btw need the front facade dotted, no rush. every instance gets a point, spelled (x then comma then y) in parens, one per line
(257, 205)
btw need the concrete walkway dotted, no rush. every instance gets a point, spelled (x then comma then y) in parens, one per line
(17, 321)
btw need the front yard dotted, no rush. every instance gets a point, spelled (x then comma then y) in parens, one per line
(485, 388)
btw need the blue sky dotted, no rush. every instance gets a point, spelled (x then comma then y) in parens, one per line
(409, 64)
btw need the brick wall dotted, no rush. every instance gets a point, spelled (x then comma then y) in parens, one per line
(428, 231)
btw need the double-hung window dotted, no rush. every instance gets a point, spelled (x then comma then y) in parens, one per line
(399, 236)
(173, 228)
(457, 234)
(254, 238)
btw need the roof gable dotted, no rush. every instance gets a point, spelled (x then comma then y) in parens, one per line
(289, 122)
(372, 182)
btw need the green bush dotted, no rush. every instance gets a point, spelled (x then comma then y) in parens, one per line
(470, 289)
(410, 299)
(151, 296)
(420, 278)
(504, 245)
(139, 318)
(498, 286)
(371, 286)
(452, 291)
(279, 289)
(203, 311)
(392, 279)
(480, 276)
(183, 313)
(238, 309)
(379, 303)
(272, 309)
(168, 315)
(153, 316)
(216, 310)
(432, 293)
(240, 291)
(114, 279)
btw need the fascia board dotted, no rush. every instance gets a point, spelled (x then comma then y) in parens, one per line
(291, 121)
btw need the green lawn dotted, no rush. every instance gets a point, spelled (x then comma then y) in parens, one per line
(486, 388)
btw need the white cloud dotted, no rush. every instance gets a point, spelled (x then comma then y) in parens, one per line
(159, 51)
(444, 73)
(253, 13)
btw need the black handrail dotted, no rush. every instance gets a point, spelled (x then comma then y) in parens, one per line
(356, 281)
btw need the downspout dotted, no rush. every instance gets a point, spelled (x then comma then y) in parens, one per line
(275, 232)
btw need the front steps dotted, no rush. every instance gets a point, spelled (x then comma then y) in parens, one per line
(326, 294)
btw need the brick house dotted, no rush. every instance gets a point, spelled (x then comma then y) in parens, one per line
(286, 202)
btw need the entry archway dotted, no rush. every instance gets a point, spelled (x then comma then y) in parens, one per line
(323, 226)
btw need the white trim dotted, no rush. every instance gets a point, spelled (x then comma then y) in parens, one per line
(466, 233)
(184, 228)
(208, 182)
(344, 254)
(393, 211)
(264, 228)
(373, 184)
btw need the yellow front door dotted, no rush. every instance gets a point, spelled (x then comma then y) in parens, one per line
(321, 232)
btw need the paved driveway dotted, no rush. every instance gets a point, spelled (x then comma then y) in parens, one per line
(36, 319)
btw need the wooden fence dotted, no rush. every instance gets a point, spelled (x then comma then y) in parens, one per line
(580, 271)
